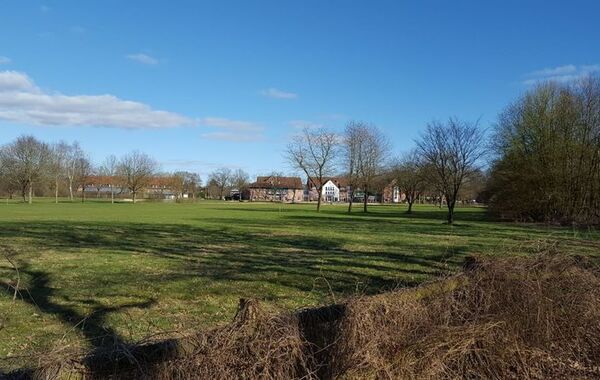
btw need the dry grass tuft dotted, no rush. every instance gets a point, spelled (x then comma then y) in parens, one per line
(532, 317)
(500, 318)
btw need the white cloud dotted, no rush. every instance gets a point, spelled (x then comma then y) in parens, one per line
(21, 101)
(16, 81)
(301, 124)
(232, 136)
(553, 71)
(4, 60)
(234, 130)
(233, 125)
(561, 74)
(278, 94)
(199, 166)
(143, 58)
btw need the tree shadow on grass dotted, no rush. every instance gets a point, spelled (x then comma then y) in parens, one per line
(242, 253)
(244, 250)
(40, 293)
(231, 254)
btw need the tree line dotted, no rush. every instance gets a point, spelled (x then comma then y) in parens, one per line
(448, 157)
(28, 165)
(546, 147)
(541, 162)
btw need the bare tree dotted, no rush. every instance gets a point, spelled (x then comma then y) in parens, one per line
(27, 159)
(211, 189)
(222, 179)
(185, 183)
(372, 149)
(108, 173)
(72, 157)
(409, 175)
(313, 152)
(178, 182)
(83, 171)
(192, 183)
(240, 181)
(136, 170)
(56, 165)
(9, 181)
(453, 149)
(351, 148)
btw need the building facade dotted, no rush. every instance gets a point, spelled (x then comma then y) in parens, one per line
(335, 189)
(275, 189)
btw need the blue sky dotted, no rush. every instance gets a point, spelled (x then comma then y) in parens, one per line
(200, 85)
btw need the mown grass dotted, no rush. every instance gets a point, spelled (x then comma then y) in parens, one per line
(95, 272)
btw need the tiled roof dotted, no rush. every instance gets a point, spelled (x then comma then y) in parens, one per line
(270, 182)
(338, 181)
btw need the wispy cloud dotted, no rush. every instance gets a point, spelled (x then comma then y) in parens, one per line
(334, 116)
(44, 8)
(278, 94)
(232, 130)
(200, 166)
(4, 60)
(21, 101)
(232, 136)
(233, 125)
(143, 58)
(301, 124)
(561, 74)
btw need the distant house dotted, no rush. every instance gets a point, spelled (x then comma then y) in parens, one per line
(392, 194)
(275, 189)
(103, 186)
(335, 189)
(158, 188)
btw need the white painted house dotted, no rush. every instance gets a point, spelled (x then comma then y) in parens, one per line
(397, 195)
(330, 192)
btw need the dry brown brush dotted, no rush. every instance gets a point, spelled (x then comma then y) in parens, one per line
(535, 317)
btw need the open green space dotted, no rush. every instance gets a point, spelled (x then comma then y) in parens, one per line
(95, 272)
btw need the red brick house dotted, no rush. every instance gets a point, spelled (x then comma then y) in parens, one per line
(275, 189)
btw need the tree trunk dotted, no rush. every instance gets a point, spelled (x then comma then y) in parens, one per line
(450, 211)
(71, 190)
(83, 194)
(112, 195)
(319, 196)
(365, 200)
(30, 193)
(351, 196)
(410, 204)
(56, 192)
(133, 196)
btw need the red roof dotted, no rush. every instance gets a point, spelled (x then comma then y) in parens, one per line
(270, 182)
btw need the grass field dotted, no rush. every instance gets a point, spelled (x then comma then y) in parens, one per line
(97, 269)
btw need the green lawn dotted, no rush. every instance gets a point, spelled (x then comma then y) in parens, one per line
(98, 269)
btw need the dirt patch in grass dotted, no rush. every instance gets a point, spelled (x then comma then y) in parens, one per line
(535, 317)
